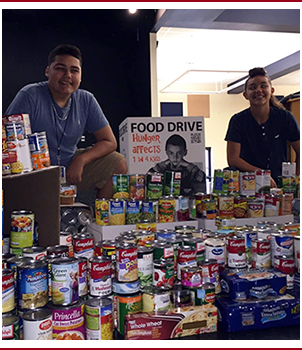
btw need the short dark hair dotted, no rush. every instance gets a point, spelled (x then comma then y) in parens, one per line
(176, 140)
(65, 49)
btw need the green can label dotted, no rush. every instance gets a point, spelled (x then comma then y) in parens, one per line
(154, 185)
(120, 186)
(172, 183)
(22, 228)
(127, 305)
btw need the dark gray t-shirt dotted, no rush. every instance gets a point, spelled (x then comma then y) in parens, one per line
(85, 115)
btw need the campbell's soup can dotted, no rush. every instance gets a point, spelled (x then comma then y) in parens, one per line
(100, 282)
(272, 204)
(36, 253)
(186, 257)
(236, 252)
(215, 249)
(8, 290)
(261, 253)
(83, 276)
(210, 273)
(247, 184)
(287, 266)
(83, 245)
(262, 180)
(37, 324)
(66, 239)
(126, 262)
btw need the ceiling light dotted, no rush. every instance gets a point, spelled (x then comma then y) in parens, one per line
(132, 11)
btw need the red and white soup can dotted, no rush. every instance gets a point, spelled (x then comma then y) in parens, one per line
(100, 282)
(83, 245)
(236, 256)
(287, 266)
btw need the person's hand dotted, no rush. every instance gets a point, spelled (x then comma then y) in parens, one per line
(273, 183)
(74, 171)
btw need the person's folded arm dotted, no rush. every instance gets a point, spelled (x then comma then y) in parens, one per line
(106, 143)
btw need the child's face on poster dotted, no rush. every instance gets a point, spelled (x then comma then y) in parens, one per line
(175, 154)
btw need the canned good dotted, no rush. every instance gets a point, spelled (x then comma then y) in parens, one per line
(145, 265)
(198, 244)
(14, 130)
(66, 239)
(129, 238)
(182, 210)
(8, 290)
(120, 186)
(64, 281)
(255, 209)
(137, 186)
(117, 212)
(10, 327)
(102, 211)
(236, 252)
(133, 211)
(272, 204)
(146, 225)
(186, 257)
(288, 169)
(247, 184)
(262, 181)
(225, 206)
(297, 252)
(165, 234)
(68, 321)
(126, 305)
(210, 273)
(37, 324)
(99, 319)
(83, 276)
(154, 185)
(286, 204)
(172, 180)
(125, 287)
(144, 236)
(215, 249)
(108, 249)
(32, 284)
(35, 253)
(199, 198)
(59, 250)
(209, 209)
(234, 186)
(100, 282)
(287, 266)
(126, 262)
(22, 228)
(191, 276)
(38, 142)
(181, 297)
(155, 299)
(149, 210)
(204, 294)
(240, 207)
(261, 253)
(248, 236)
(6, 169)
(282, 243)
(166, 209)
(162, 250)
(83, 245)
(163, 273)
(220, 181)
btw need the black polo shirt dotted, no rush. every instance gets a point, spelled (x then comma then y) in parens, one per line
(264, 145)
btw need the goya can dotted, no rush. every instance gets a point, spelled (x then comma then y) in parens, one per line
(186, 257)
(166, 209)
(133, 211)
(126, 262)
(236, 257)
(99, 319)
(210, 273)
(126, 305)
(100, 282)
(68, 321)
(32, 284)
(172, 180)
(182, 210)
(120, 186)
(64, 281)
(247, 184)
(58, 250)
(83, 245)
(154, 185)
(66, 239)
(282, 243)
(145, 265)
(117, 214)
(22, 229)
(155, 299)
(149, 210)
(10, 327)
(37, 324)
(8, 290)
(102, 211)
(191, 276)
(35, 253)
(163, 273)
(287, 266)
(137, 186)
(261, 253)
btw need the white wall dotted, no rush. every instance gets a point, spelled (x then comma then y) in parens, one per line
(222, 107)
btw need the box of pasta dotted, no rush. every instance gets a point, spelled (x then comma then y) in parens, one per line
(174, 323)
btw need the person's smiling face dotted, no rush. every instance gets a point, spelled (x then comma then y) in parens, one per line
(64, 76)
(258, 90)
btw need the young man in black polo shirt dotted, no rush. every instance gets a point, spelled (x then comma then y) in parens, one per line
(257, 137)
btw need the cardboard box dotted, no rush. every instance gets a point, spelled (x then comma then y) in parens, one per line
(175, 323)
(258, 314)
(142, 140)
(17, 118)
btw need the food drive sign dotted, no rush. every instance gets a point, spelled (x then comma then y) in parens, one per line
(143, 140)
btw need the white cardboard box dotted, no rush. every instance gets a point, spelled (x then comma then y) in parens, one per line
(142, 140)
(210, 224)
(110, 232)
